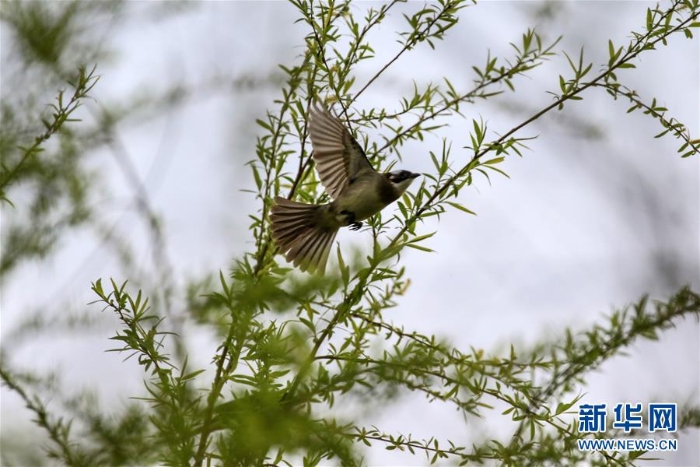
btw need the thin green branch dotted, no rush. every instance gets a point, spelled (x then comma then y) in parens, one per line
(84, 83)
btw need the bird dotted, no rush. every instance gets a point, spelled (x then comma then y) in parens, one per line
(304, 233)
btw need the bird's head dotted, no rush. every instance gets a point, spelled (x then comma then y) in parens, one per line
(401, 179)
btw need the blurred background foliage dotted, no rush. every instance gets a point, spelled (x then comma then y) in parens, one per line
(61, 193)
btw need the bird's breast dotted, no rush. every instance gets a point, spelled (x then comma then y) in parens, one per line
(365, 198)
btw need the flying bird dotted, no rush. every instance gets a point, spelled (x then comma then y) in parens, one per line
(303, 232)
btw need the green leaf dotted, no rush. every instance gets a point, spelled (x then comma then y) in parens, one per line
(494, 161)
(420, 247)
(461, 208)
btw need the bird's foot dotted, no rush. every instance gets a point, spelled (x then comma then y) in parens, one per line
(355, 226)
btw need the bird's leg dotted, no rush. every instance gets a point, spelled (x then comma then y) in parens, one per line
(350, 220)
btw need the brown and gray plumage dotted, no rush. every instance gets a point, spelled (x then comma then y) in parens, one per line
(303, 232)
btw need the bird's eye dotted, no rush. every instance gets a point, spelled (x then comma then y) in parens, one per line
(399, 176)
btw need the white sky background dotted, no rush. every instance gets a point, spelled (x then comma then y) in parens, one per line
(584, 225)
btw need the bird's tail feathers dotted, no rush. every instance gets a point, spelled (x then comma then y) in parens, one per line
(297, 231)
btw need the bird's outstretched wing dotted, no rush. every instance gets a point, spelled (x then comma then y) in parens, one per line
(339, 158)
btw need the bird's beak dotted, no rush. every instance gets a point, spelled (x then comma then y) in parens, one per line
(414, 175)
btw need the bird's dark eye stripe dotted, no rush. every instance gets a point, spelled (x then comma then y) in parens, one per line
(398, 176)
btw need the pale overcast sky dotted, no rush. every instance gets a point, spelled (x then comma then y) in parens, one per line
(595, 215)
